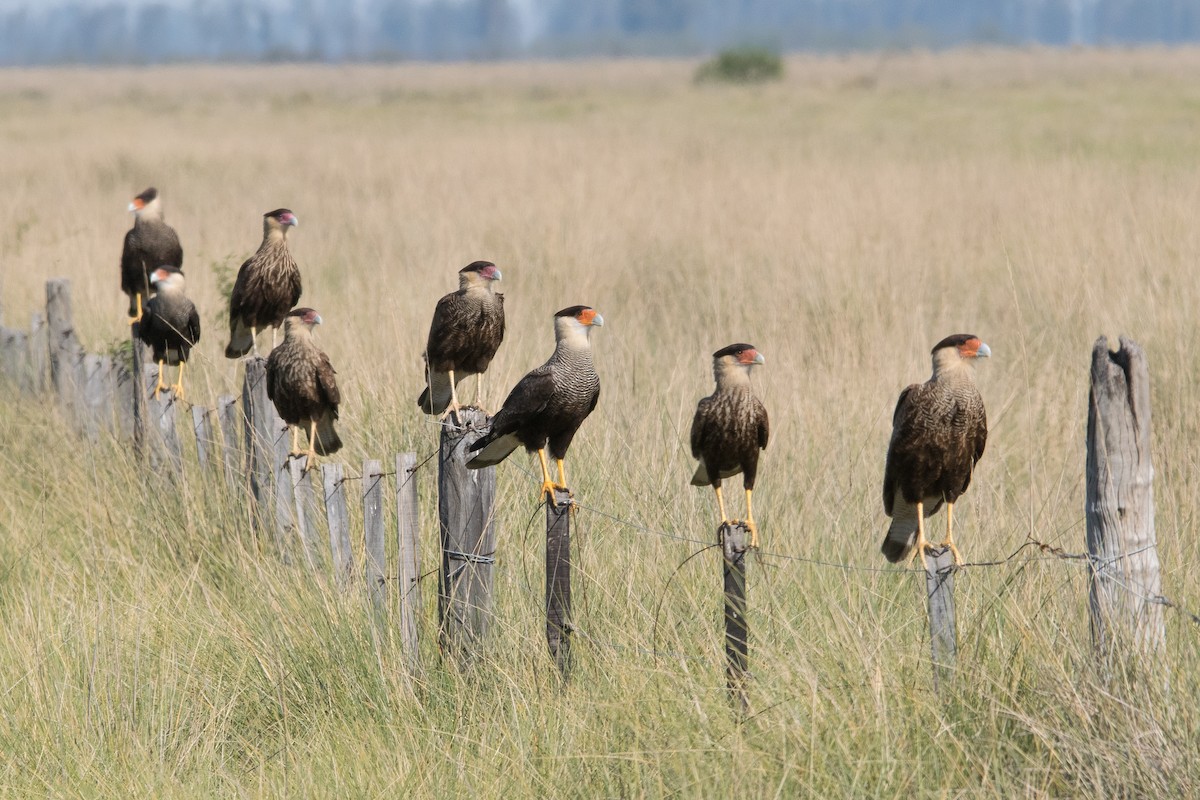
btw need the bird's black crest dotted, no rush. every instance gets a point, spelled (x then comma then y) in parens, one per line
(277, 213)
(477, 266)
(733, 349)
(572, 311)
(957, 340)
(300, 312)
(148, 195)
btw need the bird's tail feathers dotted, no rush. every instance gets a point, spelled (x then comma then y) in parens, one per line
(328, 442)
(493, 451)
(240, 340)
(436, 397)
(902, 534)
(702, 478)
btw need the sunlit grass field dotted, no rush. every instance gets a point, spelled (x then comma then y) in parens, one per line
(843, 220)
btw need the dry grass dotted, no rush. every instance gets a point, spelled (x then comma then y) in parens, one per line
(842, 221)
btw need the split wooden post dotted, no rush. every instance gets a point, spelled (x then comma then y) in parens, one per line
(66, 353)
(96, 408)
(734, 539)
(408, 535)
(333, 481)
(558, 580)
(376, 567)
(124, 394)
(281, 483)
(227, 414)
(259, 434)
(1125, 598)
(202, 427)
(468, 538)
(306, 508)
(939, 595)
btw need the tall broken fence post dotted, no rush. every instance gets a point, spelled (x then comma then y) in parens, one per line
(734, 539)
(468, 537)
(1126, 584)
(939, 597)
(373, 544)
(558, 580)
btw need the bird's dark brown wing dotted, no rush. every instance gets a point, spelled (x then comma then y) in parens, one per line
(700, 423)
(902, 423)
(193, 329)
(764, 424)
(327, 384)
(979, 434)
(529, 397)
(237, 298)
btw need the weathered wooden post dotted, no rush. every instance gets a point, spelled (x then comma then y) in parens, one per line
(14, 358)
(939, 595)
(281, 483)
(334, 483)
(558, 580)
(66, 353)
(137, 373)
(258, 411)
(468, 536)
(376, 567)
(408, 535)
(306, 508)
(39, 352)
(202, 428)
(227, 413)
(1126, 587)
(734, 539)
(96, 406)
(124, 398)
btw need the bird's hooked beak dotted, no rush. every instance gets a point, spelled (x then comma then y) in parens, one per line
(984, 351)
(316, 320)
(758, 358)
(597, 321)
(495, 273)
(134, 206)
(294, 221)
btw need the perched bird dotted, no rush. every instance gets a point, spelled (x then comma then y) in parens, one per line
(550, 403)
(730, 427)
(170, 326)
(468, 326)
(148, 244)
(301, 383)
(939, 430)
(267, 286)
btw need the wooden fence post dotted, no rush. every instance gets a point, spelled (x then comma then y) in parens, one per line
(202, 427)
(408, 536)
(334, 484)
(15, 358)
(939, 595)
(1126, 587)
(558, 580)
(137, 373)
(734, 539)
(281, 482)
(124, 394)
(468, 538)
(257, 408)
(66, 353)
(306, 508)
(227, 414)
(96, 408)
(376, 566)
(39, 352)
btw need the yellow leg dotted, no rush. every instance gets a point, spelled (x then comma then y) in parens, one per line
(479, 389)
(950, 535)
(295, 451)
(750, 520)
(547, 484)
(312, 446)
(138, 316)
(454, 406)
(159, 386)
(177, 387)
(274, 330)
(254, 337)
(921, 545)
(721, 505)
(562, 475)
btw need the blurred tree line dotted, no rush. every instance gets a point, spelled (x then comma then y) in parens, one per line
(155, 31)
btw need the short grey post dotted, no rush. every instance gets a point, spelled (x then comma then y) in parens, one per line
(202, 427)
(259, 434)
(124, 397)
(558, 580)
(408, 534)
(333, 482)
(734, 539)
(161, 439)
(39, 352)
(14, 358)
(1125, 599)
(306, 508)
(231, 455)
(376, 567)
(468, 538)
(96, 408)
(66, 353)
(939, 595)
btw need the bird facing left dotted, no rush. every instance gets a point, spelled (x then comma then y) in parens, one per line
(301, 382)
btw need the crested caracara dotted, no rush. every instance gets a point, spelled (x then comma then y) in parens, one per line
(550, 403)
(301, 383)
(150, 243)
(468, 326)
(267, 286)
(939, 430)
(730, 427)
(170, 325)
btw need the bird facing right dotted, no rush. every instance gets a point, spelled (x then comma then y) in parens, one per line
(170, 325)
(730, 427)
(939, 430)
(467, 328)
(267, 286)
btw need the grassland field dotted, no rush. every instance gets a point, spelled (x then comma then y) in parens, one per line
(842, 220)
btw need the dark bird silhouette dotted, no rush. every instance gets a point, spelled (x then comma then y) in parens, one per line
(170, 325)
(939, 430)
(301, 383)
(150, 243)
(267, 286)
(730, 428)
(550, 403)
(467, 328)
